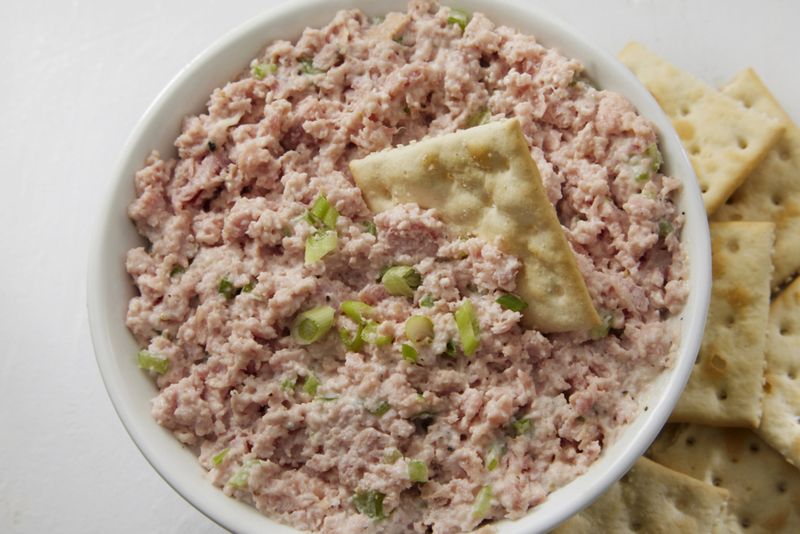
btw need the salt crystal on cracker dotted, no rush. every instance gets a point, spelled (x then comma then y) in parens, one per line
(725, 387)
(764, 488)
(725, 140)
(654, 499)
(772, 192)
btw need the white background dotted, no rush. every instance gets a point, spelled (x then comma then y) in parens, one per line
(74, 79)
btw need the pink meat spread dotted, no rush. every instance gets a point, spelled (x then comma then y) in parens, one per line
(328, 438)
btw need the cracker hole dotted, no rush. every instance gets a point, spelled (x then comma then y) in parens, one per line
(694, 150)
(722, 395)
(781, 487)
(690, 440)
(719, 363)
(737, 217)
(636, 527)
(733, 246)
(784, 155)
(731, 321)
(776, 199)
(704, 189)
(784, 330)
(792, 374)
(742, 142)
(716, 481)
(754, 447)
(745, 523)
(684, 110)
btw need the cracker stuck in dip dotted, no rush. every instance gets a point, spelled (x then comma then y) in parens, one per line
(350, 371)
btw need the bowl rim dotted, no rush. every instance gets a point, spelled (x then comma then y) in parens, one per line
(104, 270)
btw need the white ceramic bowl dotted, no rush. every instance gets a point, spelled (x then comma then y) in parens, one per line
(110, 287)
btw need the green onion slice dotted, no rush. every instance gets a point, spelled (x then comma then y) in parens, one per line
(656, 159)
(225, 287)
(319, 244)
(381, 408)
(479, 117)
(307, 64)
(239, 479)
(287, 385)
(369, 503)
(603, 329)
(356, 310)
(305, 216)
(512, 302)
(458, 16)
(483, 502)
(664, 228)
(450, 348)
(312, 324)
(417, 471)
(216, 460)
(520, 427)
(469, 327)
(325, 212)
(311, 384)
(410, 353)
(370, 335)
(419, 328)
(370, 228)
(427, 301)
(154, 362)
(393, 456)
(177, 269)
(353, 343)
(493, 457)
(401, 281)
(261, 70)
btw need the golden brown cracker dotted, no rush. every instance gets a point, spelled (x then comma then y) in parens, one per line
(651, 498)
(764, 488)
(780, 422)
(483, 181)
(725, 387)
(725, 140)
(772, 192)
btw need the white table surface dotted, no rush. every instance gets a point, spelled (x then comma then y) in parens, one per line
(74, 79)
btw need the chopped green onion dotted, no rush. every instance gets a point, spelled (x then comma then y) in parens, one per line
(356, 310)
(479, 117)
(450, 348)
(325, 212)
(311, 384)
(381, 408)
(261, 70)
(370, 228)
(651, 195)
(419, 328)
(288, 385)
(417, 471)
(427, 301)
(469, 327)
(664, 228)
(493, 457)
(378, 20)
(370, 335)
(216, 460)
(398, 40)
(369, 503)
(458, 16)
(177, 269)
(326, 399)
(305, 216)
(354, 342)
(312, 324)
(406, 110)
(656, 159)
(401, 280)
(307, 64)
(393, 456)
(410, 353)
(512, 302)
(483, 502)
(286, 231)
(239, 479)
(472, 287)
(520, 427)
(603, 329)
(319, 244)
(154, 362)
(225, 287)
(249, 288)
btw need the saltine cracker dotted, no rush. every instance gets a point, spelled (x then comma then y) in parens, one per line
(651, 498)
(772, 192)
(725, 140)
(483, 181)
(726, 384)
(780, 423)
(764, 488)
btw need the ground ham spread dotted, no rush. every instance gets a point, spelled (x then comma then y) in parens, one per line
(329, 439)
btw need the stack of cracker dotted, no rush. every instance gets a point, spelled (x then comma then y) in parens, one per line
(737, 426)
